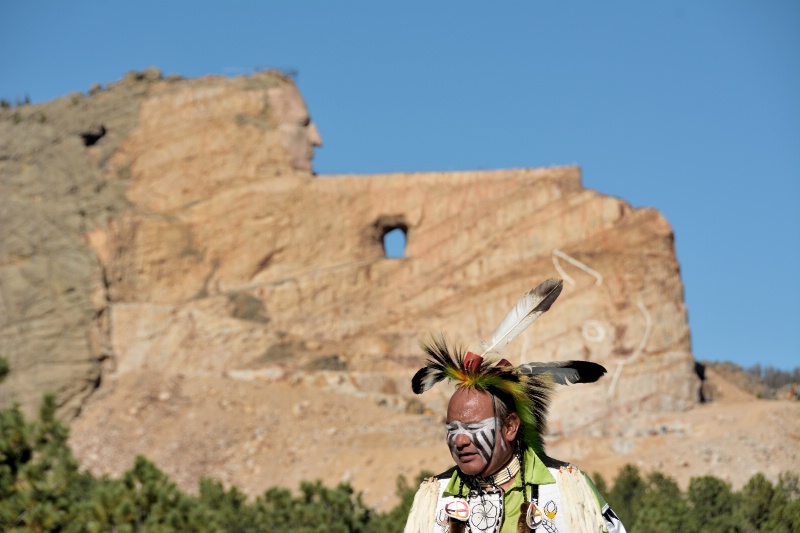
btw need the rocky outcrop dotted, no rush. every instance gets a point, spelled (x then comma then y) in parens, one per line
(52, 192)
(68, 184)
(174, 229)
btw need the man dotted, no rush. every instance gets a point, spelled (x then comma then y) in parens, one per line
(502, 481)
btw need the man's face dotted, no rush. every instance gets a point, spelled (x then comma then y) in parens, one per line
(478, 444)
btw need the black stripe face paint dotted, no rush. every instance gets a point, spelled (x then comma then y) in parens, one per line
(482, 434)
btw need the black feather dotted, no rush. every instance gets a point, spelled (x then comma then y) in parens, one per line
(425, 378)
(565, 372)
(589, 372)
(439, 358)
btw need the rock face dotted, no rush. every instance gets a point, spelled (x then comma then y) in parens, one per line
(163, 234)
(69, 184)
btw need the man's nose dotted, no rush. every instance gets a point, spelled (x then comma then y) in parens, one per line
(462, 441)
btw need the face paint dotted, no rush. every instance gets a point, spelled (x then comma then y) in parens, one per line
(482, 435)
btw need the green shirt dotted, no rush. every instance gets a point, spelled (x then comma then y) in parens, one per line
(536, 473)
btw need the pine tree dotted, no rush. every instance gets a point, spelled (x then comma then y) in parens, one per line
(711, 506)
(625, 496)
(662, 508)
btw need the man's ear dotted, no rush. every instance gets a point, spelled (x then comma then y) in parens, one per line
(511, 427)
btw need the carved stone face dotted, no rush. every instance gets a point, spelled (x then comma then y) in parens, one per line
(478, 444)
(300, 134)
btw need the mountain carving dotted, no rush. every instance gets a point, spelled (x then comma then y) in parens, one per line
(174, 270)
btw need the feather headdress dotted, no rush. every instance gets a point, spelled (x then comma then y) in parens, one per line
(530, 385)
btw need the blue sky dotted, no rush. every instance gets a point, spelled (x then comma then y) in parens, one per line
(689, 107)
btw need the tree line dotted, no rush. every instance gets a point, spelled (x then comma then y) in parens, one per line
(772, 377)
(656, 504)
(765, 381)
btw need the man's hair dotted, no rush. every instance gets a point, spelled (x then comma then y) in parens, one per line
(503, 406)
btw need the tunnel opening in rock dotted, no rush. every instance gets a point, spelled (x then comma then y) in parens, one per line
(390, 232)
(394, 243)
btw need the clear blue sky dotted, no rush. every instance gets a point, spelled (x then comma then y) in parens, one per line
(689, 107)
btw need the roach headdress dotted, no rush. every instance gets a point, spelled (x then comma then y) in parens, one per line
(530, 385)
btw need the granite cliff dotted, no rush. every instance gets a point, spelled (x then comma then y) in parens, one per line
(174, 270)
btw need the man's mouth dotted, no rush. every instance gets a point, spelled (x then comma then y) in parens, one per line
(467, 456)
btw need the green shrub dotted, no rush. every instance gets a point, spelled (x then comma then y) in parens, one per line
(625, 497)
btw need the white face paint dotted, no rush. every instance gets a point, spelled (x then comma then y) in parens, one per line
(482, 434)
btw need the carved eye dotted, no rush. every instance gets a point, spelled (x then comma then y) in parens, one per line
(305, 122)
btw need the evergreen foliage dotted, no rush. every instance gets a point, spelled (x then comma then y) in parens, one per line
(657, 505)
(712, 506)
(662, 507)
(42, 489)
(625, 496)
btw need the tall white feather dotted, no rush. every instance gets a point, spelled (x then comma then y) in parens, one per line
(528, 308)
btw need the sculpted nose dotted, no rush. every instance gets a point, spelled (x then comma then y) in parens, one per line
(313, 135)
